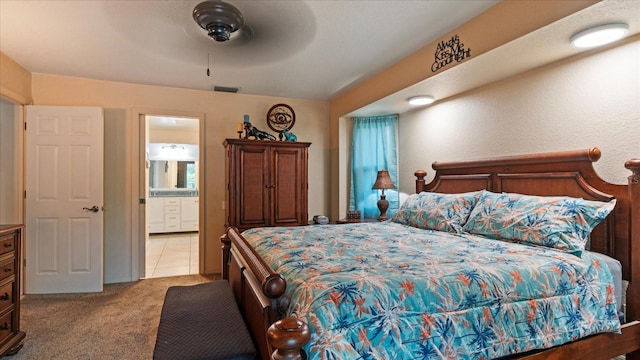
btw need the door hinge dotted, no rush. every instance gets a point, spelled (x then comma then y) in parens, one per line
(25, 126)
(143, 201)
(25, 194)
(24, 262)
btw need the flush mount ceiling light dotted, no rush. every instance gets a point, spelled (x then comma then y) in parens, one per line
(421, 100)
(599, 35)
(218, 18)
(173, 147)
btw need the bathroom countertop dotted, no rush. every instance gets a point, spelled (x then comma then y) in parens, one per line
(173, 192)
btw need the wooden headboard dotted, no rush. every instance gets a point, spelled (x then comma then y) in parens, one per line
(568, 173)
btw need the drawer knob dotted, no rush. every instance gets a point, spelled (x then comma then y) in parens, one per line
(8, 269)
(5, 326)
(8, 244)
(5, 297)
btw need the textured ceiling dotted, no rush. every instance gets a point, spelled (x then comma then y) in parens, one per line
(300, 49)
(544, 46)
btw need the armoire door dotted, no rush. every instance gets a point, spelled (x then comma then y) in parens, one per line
(252, 187)
(289, 179)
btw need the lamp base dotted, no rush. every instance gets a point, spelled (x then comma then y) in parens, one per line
(383, 205)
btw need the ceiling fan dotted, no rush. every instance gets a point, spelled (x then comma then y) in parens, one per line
(258, 35)
(220, 20)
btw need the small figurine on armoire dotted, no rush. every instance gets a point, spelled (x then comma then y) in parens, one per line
(289, 136)
(251, 131)
(259, 134)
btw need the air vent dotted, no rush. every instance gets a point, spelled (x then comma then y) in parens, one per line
(225, 89)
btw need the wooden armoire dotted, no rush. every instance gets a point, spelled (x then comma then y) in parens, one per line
(266, 183)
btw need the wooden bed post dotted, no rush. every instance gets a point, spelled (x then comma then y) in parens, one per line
(420, 175)
(288, 336)
(633, 293)
(226, 248)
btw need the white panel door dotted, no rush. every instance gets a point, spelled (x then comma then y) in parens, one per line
(64, 237)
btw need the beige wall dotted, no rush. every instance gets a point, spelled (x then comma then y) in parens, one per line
(15, 81)
(221, 111)
(11, 160)
(590, 100)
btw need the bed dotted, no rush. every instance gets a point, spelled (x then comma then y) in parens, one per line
(266, 299)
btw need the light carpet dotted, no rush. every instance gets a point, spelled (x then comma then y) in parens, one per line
(119, 323)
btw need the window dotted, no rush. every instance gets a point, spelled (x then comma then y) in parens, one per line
(186, 174)
(373, 148)
(191, 175)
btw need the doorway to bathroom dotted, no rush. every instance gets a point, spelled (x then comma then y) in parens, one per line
(173, 196)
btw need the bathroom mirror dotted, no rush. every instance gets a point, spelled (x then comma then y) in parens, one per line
(170, 174)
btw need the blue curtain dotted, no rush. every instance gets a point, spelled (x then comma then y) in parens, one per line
(373, 148)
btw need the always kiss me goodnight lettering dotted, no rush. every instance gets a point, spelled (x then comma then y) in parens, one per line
(448, 52)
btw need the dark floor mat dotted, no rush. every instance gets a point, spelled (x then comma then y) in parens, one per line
(201, 322)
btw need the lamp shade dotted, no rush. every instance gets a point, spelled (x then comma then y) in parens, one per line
(383, 181)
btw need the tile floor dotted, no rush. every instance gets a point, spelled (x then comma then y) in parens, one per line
(172, 255)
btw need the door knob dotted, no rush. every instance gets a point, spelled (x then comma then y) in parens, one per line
(95, 208)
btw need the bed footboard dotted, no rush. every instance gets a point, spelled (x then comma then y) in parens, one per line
(256, 288)
(596, 347)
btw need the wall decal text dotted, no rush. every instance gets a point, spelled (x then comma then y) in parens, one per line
(448, 52)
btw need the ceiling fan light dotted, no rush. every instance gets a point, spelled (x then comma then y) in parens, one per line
(421, 100)
(599, 35)
(219, 32)
(220, 19)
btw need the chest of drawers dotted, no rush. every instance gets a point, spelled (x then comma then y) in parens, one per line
(11, 338)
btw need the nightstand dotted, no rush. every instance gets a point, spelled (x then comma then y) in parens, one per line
(355, 221)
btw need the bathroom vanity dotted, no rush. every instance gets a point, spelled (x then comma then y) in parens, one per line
(172, 210)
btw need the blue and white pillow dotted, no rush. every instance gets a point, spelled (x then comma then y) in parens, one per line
(563, 223)
(436, 211)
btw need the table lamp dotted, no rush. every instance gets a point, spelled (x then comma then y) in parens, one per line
(383, 181)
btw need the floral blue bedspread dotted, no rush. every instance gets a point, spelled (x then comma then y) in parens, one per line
(389, 291)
